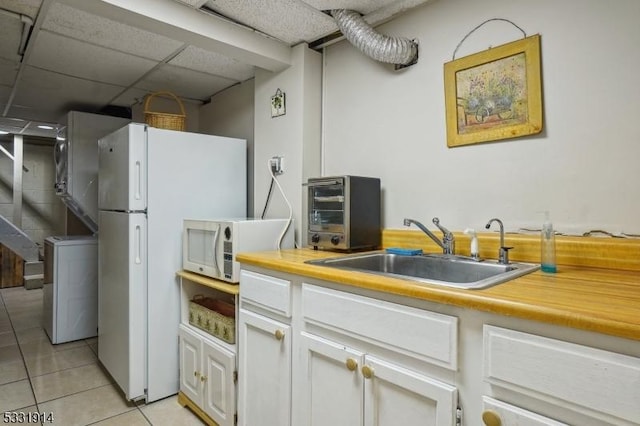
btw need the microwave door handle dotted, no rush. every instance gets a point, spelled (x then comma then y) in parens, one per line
(215, 249)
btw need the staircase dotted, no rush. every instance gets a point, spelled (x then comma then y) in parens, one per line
(20, 259)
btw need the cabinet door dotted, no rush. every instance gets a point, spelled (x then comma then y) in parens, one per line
(332, 384)
(264, 371)
(190, 372)
(219, 398)
(394, 396)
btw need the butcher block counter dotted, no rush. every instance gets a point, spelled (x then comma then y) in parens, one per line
(596, 288)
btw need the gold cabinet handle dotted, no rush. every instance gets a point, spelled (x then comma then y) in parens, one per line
(279, 334)
(352, 364)
(196, 374)
(203, 379)
(491, 418)
(367, 372)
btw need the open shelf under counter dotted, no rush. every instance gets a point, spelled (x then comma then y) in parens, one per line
(210, 282)
(192, 285)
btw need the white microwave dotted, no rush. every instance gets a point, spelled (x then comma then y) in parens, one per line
(209, 247)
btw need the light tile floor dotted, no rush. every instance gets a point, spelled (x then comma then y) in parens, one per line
(65, 380)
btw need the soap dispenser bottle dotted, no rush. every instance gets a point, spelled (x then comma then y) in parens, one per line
(548, 246)
(474, 243)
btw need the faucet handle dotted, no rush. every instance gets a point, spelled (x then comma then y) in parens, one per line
(444, 230)
(503, 255)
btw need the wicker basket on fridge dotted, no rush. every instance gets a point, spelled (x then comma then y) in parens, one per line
(164, 120)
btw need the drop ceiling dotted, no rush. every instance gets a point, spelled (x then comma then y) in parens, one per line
(106, 55)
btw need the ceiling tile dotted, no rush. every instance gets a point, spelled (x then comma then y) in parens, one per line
(135, 96)
(23, 7)
(5, 93)
(362, 6)
(48, 96)
(75, 58)
(184, 83)
(392, 9)
(10, 35)
(8, 71)
(104, 32)
(197, 59)
(28, 127)
(12, 125)
(130, 97)
(291, 21)
(193, 3)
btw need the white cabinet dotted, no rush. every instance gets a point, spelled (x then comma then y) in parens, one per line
(497, 413)
(208, 368)
(190, 365)
(591, 385)
(343, 386)
(320, 353)
(352, 371)
(265, 339)
(332, 385)
(206, 376)
(311, 355)
(264, 371)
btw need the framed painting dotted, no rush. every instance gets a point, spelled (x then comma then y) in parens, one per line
(495, 94)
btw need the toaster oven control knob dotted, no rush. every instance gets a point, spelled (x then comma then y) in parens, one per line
(227, 233)
(335, 240)
(315, 238)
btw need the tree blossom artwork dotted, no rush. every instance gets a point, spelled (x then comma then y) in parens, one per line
(492, 95)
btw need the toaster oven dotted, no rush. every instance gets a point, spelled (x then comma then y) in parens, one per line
(344, 213)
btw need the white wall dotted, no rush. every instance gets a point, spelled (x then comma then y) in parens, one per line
(42, 210)
(168, 105)
(295, 135)
(584, 168)
(230, 113)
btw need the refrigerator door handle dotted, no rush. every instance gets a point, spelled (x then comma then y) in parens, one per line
(138, 180)
(138, 245)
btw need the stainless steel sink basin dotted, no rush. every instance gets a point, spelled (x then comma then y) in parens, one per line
(446, 270)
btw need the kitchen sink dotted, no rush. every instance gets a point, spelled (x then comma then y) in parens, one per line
(440, 269)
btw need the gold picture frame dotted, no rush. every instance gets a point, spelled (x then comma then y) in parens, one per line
(495, 94)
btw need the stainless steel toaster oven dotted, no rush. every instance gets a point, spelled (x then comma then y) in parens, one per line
(344, 213)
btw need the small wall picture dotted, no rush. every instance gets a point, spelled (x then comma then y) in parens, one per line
(278, 107)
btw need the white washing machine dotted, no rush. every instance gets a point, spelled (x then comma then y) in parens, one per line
(70, 288)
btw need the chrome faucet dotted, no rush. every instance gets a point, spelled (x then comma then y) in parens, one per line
(448, 243)
(503, 253)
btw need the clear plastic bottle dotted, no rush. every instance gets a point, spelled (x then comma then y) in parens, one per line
(548, 246)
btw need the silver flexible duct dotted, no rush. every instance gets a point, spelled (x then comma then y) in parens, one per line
(383, 48)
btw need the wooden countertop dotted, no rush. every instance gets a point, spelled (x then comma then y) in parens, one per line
(595, 299)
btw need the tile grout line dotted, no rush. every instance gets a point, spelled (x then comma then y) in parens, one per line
(28, 372)
(15, 335)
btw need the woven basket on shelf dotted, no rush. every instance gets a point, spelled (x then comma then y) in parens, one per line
(216, 317)
(164, 120)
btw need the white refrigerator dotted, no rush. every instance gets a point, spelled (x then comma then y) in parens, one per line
(149, 181)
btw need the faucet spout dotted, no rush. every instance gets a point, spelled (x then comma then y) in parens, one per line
(488, 225)
(447, 244)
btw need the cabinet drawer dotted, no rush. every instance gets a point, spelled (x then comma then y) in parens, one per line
(583, 378)
(270, 293)
(421, 334)
(511, 415)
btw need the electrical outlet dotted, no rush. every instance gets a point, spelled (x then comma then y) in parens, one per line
(277, 164)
